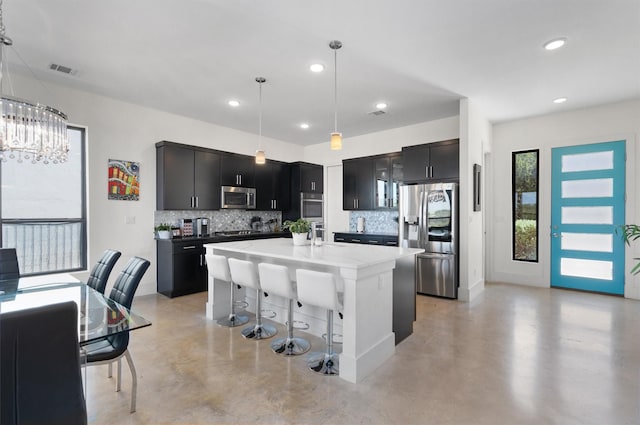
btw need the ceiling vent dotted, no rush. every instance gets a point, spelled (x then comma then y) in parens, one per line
(63, 69)
(377, 112)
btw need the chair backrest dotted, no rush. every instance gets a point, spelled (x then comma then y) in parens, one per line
(244, 273)
(317, 288)
(274, 279)
(218, 267)
(9, 264)
(40, 378)
(127, 282)
(100, 272)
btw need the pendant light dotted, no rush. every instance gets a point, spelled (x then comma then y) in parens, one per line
(336, 138)
(29, 130)
(260, 156)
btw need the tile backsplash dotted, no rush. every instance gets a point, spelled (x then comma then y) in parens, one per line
(375, 221)
(223, 220)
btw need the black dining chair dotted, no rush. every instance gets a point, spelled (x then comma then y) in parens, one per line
(113, 348)
(9, 264)
(40, 376)
(102, 269)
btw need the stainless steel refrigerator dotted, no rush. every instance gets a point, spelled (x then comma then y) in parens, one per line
(428, 219)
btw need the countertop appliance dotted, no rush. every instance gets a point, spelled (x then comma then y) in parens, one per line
(235, 197)
(429, 220)
(202, 226)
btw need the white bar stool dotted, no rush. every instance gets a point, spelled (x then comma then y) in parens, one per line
(219, 269)
(274, 279)
(244, 273)
(319, 289)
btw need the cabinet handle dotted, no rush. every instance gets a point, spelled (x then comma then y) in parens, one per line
(240, 175)
(275, 204)
(426, 171)
(197, 201)
(339, 239)
(189, 247)
(354, 204)
(357, 203)
(391, 243)
(355, 240)
(374, 241)
(200, 260)
(431, 171)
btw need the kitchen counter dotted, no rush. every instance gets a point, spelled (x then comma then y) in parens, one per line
(364, 272)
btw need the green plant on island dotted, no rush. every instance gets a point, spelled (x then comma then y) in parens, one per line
(299, 226)
(631, 232)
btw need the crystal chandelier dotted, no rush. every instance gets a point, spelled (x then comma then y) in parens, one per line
(29, 131)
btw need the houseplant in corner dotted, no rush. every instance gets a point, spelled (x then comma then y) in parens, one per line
(163, 230)
(631, 232)
(299, 230)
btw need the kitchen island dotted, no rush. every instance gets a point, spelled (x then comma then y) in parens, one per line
(364, 273)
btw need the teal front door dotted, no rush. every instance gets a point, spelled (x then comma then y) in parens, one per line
(587, 204)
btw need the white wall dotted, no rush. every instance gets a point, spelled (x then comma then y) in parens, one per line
(124, 131)
(475, 141)
(619, 121)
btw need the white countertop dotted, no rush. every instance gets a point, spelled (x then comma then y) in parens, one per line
(342, 255)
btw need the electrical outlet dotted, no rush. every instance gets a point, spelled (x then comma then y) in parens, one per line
(130, 219)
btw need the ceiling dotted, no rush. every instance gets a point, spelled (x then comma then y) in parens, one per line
(189, 57)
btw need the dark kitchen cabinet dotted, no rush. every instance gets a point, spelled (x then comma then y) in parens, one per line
(365, 238)
(357, 184)
(272, 186)
(186, 178)
(388, 174)
(237, 170)
(431, 162)
(311, 176)
(181, 267)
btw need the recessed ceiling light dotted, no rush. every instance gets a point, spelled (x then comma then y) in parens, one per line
(317, 67)
(304, 126)
(234, 103)
(560, 100)
(555, 43)
(381, 105)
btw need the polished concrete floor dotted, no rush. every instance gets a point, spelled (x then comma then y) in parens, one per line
(516, 355)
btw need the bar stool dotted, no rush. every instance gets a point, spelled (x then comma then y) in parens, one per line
(319, 289)
(219, 269)
(275, 280)
(244, 273)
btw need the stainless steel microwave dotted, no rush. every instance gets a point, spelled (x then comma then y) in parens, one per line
(234, 197)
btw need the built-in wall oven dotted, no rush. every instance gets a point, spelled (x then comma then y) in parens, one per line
(311, 209)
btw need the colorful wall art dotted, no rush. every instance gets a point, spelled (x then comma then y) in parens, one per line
(124, 180)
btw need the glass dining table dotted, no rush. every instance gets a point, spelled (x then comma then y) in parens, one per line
(98, 316)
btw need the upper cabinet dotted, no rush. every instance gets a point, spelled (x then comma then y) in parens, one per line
(272, 186)
(186, 178)
(388, 174)
(237, 170)
(357, 184)
(306, 177)
(430, 162)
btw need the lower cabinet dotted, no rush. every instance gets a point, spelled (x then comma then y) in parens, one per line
(181, 267)
(386, 240)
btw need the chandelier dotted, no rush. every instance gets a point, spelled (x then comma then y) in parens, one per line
(29, 131)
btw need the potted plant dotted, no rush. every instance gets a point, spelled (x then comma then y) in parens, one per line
(299, 230)
(163, 230)
(631, 232)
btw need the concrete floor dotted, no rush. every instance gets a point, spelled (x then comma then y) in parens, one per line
(516, 355)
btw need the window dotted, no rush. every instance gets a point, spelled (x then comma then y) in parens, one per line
(525, 205)
(43, 211)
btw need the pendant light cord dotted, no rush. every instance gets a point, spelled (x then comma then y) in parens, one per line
(335, 90)
(260, 119)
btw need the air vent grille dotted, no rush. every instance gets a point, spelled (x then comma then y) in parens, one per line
(63, 69)
(377, 112)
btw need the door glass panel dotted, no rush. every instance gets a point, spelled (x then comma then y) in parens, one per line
(587, 161)
(589, 188)
(594, 242)
(587, 215)
(595, 269)
(382, 178)
(439, 215)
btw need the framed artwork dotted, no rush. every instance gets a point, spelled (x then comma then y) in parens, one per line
(477, 180)
(124, 180)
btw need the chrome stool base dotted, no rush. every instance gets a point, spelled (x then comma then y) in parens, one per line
(259, 331)
(290, 346)
(232, 320)
(324, 364)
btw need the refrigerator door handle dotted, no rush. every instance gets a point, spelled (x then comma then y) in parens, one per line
(420, 219)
